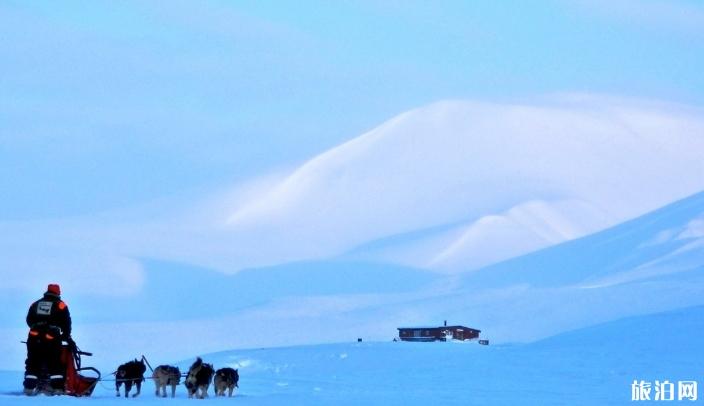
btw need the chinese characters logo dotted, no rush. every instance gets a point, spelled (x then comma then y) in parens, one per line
(663, 390)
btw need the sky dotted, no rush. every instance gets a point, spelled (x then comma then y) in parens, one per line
(106, 105)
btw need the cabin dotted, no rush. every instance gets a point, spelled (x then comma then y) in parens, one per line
(442, 333)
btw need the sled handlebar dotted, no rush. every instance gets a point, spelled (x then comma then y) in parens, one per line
(79, 352)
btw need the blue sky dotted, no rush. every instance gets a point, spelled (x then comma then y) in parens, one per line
(112, 104)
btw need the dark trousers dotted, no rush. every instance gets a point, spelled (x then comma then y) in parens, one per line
(44, 359)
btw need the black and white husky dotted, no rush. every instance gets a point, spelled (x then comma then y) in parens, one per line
(200, 376)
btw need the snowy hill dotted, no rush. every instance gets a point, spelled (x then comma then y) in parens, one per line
(664, 243)
(449, 187)
(590, 366)
(460, 185)
(649, 264)
(653, 263)
(346, 246)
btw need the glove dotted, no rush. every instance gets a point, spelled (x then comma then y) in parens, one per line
(71, 344)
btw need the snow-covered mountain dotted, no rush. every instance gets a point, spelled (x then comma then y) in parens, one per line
(650, 264)
(667, 243)
(371, 218)
(459, 185)
(449, 187)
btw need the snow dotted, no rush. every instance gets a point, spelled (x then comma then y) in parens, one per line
(695, 229)
(627, 270)
(640, 243)
(524, 228)
(596, 365)
(448, 187)
(519, 176)
(524, 221)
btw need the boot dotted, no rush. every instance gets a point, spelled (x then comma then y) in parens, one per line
(57, 384)
(30, 384)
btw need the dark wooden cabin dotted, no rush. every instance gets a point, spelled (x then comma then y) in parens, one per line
(441, 333)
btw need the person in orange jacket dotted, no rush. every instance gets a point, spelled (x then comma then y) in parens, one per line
(49, 324)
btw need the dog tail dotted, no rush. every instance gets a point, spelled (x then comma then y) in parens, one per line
(198, 363)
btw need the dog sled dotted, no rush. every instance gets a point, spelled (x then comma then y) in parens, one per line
(76, 383)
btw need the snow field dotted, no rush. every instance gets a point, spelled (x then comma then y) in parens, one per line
(591, 366)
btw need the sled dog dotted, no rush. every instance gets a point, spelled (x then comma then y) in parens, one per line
(166, 375)
(130, 373)
(200, 375)
(225, 378)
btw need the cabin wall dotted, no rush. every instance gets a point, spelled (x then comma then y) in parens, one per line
(437, 333)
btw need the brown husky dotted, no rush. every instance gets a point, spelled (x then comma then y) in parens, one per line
(225, 378)
(165, 375)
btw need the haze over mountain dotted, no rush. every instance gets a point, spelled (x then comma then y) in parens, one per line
(457, 185)
(450, 187)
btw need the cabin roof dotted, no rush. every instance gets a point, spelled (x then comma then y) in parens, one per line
(438, 327)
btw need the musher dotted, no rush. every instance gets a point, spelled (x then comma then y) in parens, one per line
(49, 324)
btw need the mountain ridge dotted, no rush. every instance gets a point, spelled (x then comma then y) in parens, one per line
(592, 163)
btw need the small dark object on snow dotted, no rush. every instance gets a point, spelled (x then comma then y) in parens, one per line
(200, 375)
(484, 342)
(130, 373)
(225, 378)
(442, 333)
(166, 375)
